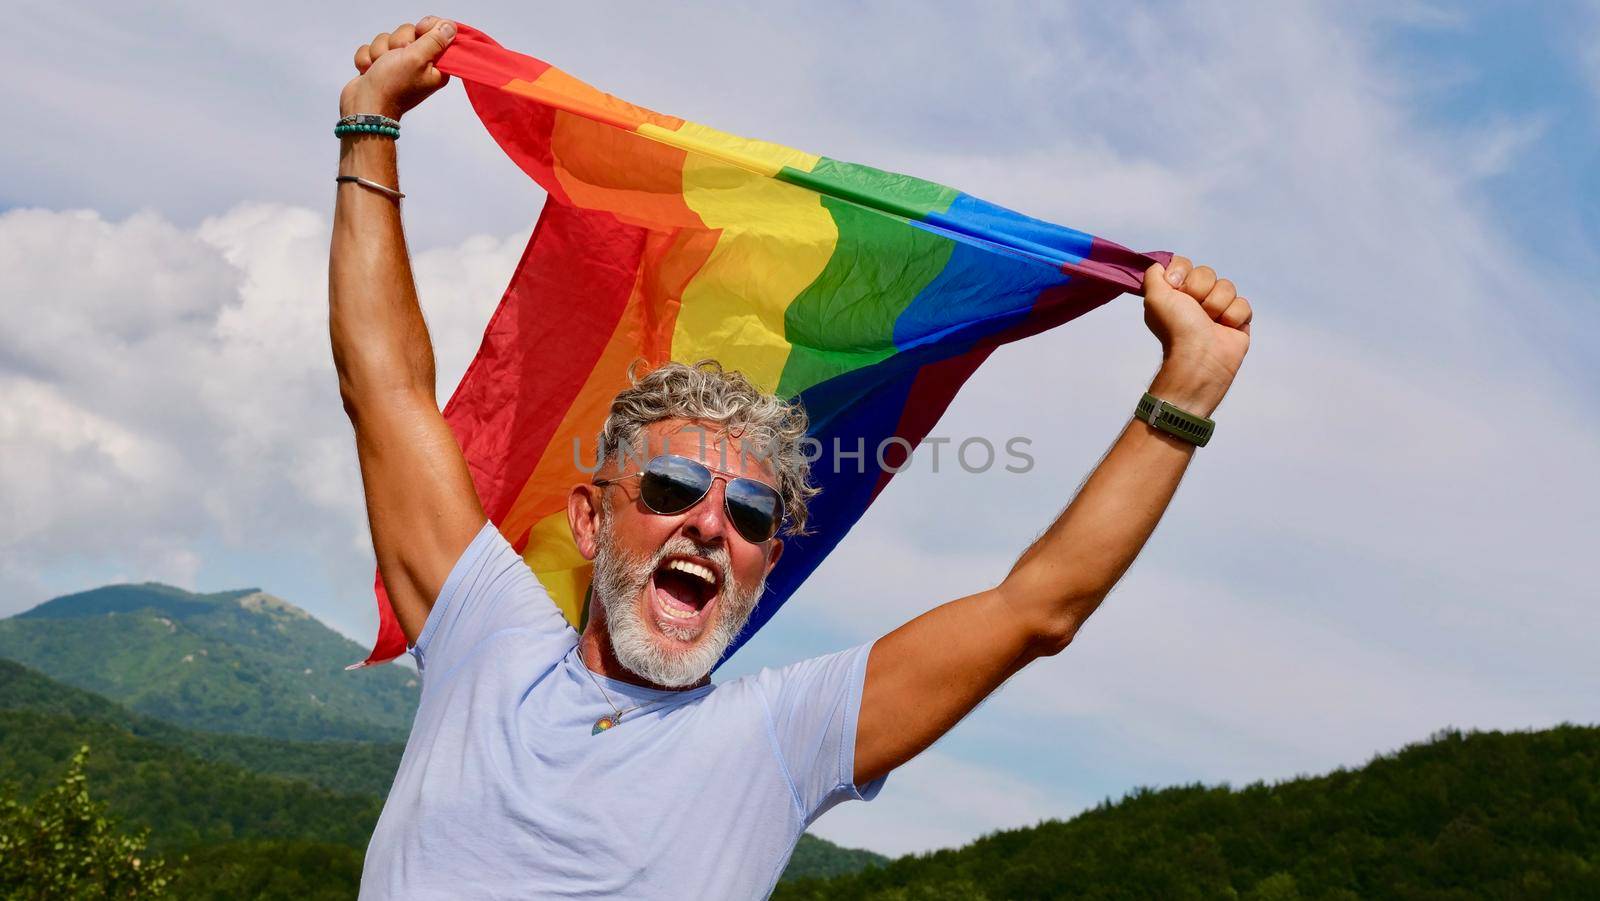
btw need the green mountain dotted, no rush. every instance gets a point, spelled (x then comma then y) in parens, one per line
(1462, 816)
(232, 662)
(349, 767)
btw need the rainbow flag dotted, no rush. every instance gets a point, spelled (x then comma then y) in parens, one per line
(868, 295)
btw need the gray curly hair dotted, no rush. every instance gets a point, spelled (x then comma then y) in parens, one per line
(705, 392)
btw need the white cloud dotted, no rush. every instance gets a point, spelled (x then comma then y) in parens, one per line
(47, 434)
(1252, 685)
(173, 392)
(1496, 148)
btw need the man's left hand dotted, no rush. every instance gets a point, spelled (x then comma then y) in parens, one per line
(1204, 327)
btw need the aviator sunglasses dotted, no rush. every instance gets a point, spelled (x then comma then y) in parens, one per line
(670, 484)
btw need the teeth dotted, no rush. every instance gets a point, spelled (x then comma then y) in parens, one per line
(676, 613)
(689, 567)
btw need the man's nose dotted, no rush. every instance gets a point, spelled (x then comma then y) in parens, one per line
(707, 521)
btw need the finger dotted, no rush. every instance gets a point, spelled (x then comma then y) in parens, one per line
(1218, 298)
(1200, 282)
(431, 44)
(1237, 315)
(402, 36)
(1155, 281)
(1178, 270)
(425, 23)
(363, 58)
(380, 44)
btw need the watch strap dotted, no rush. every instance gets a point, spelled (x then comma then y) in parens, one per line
(1175, 421)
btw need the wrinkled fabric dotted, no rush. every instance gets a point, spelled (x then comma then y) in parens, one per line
(868, 296)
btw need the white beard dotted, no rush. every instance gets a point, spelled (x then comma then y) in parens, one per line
(618, 581)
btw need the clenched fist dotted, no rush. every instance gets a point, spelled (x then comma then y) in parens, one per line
(1204, 327)
(397, 70)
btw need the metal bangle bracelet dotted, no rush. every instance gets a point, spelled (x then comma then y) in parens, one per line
(385, 190)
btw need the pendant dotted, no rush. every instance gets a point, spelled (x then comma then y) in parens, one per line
(602, 724)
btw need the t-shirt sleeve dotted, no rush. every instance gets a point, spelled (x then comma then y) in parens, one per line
(489, 591)
(813, 706)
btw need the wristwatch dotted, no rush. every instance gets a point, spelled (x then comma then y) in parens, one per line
(1174, 421)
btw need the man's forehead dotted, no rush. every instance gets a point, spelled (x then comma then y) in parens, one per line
(710, 445)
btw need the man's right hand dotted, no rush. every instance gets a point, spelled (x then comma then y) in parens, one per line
(397, 69)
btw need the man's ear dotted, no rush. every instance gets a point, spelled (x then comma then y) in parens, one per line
(774, 553)
(583, 516)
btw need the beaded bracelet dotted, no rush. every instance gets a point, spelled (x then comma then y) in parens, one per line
(342, 130)
(367, 124)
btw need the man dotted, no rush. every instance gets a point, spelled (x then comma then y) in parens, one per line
(544, 763)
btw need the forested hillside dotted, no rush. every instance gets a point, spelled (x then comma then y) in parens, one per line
(1462, 816)
(71, 714)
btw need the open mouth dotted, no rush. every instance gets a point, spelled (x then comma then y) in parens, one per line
(683, 590)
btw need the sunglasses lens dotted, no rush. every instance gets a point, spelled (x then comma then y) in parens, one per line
(754, 508)
(670, 484)
(673, 484)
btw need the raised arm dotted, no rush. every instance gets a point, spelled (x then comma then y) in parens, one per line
(420, 500)
(925, 676)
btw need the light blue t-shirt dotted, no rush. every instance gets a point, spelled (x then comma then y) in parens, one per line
(503, 791)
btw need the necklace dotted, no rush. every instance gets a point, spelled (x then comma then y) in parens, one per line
(606, 722)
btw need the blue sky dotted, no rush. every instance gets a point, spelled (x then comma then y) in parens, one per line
(1386, 537)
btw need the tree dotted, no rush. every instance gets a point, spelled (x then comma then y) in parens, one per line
(63, 845)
